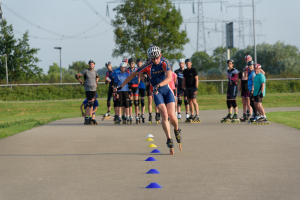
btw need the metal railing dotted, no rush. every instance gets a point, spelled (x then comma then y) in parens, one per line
(217, 80)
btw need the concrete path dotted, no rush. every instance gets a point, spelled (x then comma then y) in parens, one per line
(66, 160)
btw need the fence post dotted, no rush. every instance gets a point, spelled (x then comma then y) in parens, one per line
(222, 86)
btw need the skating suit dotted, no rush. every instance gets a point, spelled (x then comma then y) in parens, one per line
(109, 74)
(157, 73)
(232, 75)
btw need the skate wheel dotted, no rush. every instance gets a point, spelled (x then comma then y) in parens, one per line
(180, 146)
(171, 151)
(157, 122)
(150, 123)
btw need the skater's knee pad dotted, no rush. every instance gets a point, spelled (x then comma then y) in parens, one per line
(90, 104)
(130, 103)
(108, 104)
(179, 102)
(142, 102)
(233, 103)
(186, 102)
(229, 104)
(136, 103)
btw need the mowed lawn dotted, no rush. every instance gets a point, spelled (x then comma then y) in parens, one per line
(20, 116)
(290, 119)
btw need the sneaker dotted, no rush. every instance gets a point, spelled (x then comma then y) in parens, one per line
(187, 116)
(179, 116)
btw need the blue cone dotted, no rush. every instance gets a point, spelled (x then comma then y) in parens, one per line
(153, 171)
(153, 185)
(155, 151)
(150, 159)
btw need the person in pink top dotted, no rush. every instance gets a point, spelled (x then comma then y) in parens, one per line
(173, 84)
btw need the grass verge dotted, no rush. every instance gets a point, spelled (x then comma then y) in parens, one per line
(20, 116)
(290, 119)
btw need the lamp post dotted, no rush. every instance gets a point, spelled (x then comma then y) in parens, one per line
(60, 62)
(255, 58)
(6, 68)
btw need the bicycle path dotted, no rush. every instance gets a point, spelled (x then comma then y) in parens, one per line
(67, 160)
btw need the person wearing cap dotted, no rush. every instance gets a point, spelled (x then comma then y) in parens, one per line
(109, 80)
(180, 91)
(190, 84)
(259, 83)
(160, 76)
(91, 78)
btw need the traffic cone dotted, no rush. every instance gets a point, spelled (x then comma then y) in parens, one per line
(149, 135)
(155, 151)
(152, 145)
(150, 159)
(153, 186)
(149, 139)
(153, 171)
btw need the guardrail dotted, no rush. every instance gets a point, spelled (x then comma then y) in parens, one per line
(217, 80)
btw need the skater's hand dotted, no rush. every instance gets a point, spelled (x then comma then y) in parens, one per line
(238, 94)
(83, 114)
(96, 84)
(82, 83)
(196, 91)
(261, 95)
(119, 88)
(155, 89)
(115, 89)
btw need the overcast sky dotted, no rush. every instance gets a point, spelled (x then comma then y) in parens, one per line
(84, 35)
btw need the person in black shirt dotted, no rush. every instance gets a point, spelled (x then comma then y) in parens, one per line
(190, 82)
(245, 93)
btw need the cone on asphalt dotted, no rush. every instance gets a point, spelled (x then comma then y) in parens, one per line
(149, 135)
(153, 186)
(152, 145)
(149, 139)
(155, 151)
(153, 171)
(150, 159)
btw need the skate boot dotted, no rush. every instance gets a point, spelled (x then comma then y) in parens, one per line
(186, 117)
(86, 121)
(115, 119)
(244, 118)
(130, 120)
(227, 119)
(235, 119)
(261, 121)
(170, 145)
(124, 119)
(157, 118)
(178, 137)
(252, 119)
(137, 119)
(143, 118)
(190, 119)
(150, 119)
(106, 116)
(179, 117)
(118, 120)
(94, 122)
(197, 119)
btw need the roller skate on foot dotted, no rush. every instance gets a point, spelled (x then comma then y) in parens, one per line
(150, 119)
(252, 119)
(143, 118)
(106, 116)
(94, 122)
(244, 118)
(179, 117)
(124, 121)
(190, 119)
(157, 118)
(137, 119)
(86, 121)
(130, 120)
(227, 119)
(261, 121)
(118, 120)
(178, 137)
(170, 145)
(235, 119)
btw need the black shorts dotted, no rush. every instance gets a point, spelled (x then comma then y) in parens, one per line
(90, 95)
(257, 99)
(181, 92)
(124, 98)
(149, 93)
(190, 93)
(142, 92)
(231, 91)
(109, 95)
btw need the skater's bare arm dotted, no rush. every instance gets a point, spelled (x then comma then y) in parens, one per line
(196, 81)
(262, 87)
(95, 109)
(77, 76)
(183, 83)
(81, 109)
(129, 78)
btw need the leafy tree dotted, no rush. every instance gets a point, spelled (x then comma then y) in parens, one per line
(103, 70)
(142, 23)
(202, 61)
(55, 69)
(21, 60)
(78, 66)
(220, 57)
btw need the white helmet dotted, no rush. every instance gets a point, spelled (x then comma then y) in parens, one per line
(123, 64)
(181, 60)
(153, 52)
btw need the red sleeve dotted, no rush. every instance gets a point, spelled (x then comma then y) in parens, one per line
(106, 75)
(234, 78)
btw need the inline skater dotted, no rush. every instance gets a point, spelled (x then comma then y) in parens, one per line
(142, 92)
(109, 80)
(251, 75)
(245, 94)
(122, 94)
(91, 78)
(158, 69)
(149, 93)
(173, 85)
(259, 93)
(133, 86)
(232, 75)
(180, 91)
(95, 107)
(190, 84)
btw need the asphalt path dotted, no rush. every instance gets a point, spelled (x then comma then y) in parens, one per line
(67, 160)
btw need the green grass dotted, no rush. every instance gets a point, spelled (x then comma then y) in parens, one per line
(20, 116)
(290, 119)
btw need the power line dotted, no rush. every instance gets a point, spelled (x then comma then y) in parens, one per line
(95, 11)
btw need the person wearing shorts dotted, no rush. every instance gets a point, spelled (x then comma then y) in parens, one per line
(158, 69)
(142, 88)
(109, 80)
(180, 91)
(173, 87)
(91, 78)
(190, 84)
(245, 93)
(259, 92)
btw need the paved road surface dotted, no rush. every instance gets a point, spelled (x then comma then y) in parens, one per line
(66, 160)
